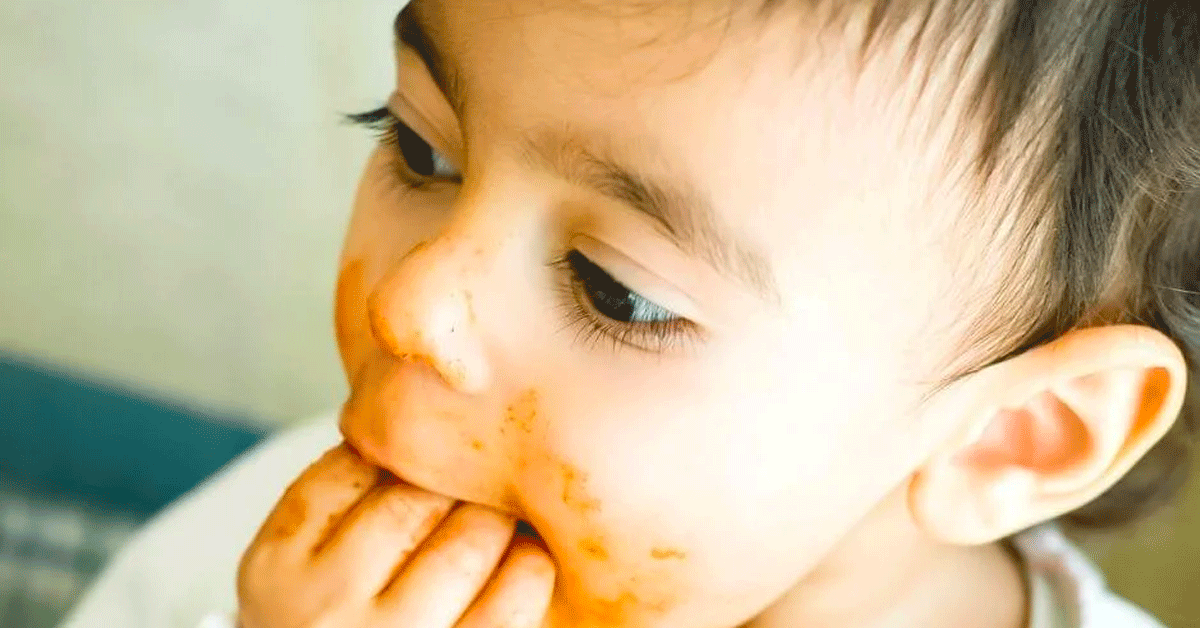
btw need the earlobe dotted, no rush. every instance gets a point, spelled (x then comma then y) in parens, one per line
(1048, 431)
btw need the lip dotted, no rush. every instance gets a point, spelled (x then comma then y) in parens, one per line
(523, 527)
(371, 456)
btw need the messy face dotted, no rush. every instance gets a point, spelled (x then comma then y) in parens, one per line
(659, 282)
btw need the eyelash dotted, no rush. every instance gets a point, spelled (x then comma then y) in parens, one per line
(591, 327)
(579, 309)
(393, 133)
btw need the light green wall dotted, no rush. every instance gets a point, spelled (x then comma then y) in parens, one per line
(174, 183)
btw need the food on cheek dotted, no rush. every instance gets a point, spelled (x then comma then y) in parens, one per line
(615, 611)
(593, 548)
(602, 583)
(523, 412)
(469, 299)
(349, 324)
(574, 493)
(667, 553)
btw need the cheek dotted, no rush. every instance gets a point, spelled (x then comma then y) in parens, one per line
(645, 519)
(685, 498)
(349, 316)
(385, 225)
(613, 571)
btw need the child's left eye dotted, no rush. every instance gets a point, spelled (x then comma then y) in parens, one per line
(420, 163)
(603, 307)
(610, 297)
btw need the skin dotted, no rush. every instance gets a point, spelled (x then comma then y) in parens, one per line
(718, 480)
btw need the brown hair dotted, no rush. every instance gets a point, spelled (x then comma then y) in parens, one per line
(1107, 221)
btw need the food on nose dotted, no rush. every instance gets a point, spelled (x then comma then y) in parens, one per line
(414, 319)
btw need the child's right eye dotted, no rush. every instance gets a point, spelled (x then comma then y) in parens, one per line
(419, 164)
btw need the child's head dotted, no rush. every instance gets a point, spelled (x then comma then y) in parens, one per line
(722, 297)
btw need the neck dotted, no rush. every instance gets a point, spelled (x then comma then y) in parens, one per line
(893, 576)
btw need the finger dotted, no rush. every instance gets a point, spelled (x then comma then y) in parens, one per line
(379, 534)
(437, 585)
(321, 495)
(519, 593)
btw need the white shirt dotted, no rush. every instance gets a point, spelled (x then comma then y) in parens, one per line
(180, 570)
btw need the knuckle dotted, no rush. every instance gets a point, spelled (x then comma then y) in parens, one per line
(486, 521)
(473, 555)
(517, 617)
(256, 569)
(398, 508)
(470, 557)
(409, 509)
(289, 516)
(338, 462)
(484, 534)
(341, 454)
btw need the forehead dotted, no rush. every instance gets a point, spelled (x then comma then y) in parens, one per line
(794, 141)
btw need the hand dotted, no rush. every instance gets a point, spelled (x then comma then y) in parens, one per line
(349, 546)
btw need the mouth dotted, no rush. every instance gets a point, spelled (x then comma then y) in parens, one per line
(526, 529)
(523, 528)
(368, 456)
(390, 473)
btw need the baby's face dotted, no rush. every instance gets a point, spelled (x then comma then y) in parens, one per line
(678, 309)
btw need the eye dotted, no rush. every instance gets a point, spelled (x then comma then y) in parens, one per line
(612, 299)
(600, 307)
(419, 156)
(419, 164)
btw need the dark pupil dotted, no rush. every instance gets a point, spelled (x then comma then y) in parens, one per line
(417, 153)
(607, 295)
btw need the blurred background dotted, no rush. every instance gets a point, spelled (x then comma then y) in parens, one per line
(174, 183)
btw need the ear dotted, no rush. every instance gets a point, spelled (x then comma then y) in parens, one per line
(1048, 431)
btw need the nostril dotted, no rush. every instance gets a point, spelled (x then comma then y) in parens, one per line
(417, 248)
(413, 317)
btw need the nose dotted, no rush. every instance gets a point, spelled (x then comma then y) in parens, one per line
(423, 311)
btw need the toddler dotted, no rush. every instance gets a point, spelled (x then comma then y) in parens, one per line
(676, 314)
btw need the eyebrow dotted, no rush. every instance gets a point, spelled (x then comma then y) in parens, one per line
(685, 215)
(413, 32)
